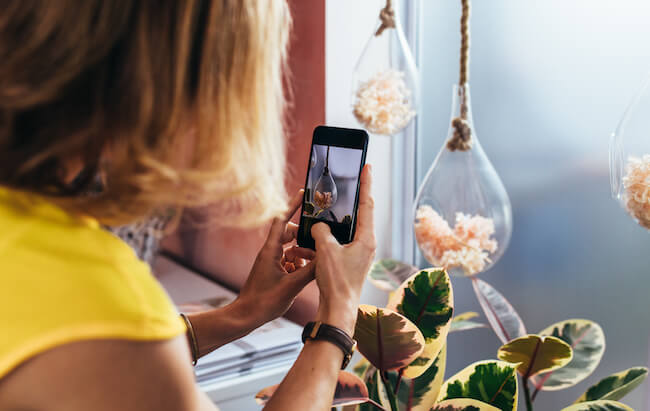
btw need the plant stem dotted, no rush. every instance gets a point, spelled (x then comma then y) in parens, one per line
(399, 380)
(392, 399)
(535, 393)
(529, 403)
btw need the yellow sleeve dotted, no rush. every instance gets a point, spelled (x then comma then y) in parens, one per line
(61, 283)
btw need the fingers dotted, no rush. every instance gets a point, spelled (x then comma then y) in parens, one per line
(279, 228)
(365, 216)
(290, 232)
(289, 267)
(323, 236)
(293, 253)
(303, 276)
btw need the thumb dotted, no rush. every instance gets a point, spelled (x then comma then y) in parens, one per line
(322, 235)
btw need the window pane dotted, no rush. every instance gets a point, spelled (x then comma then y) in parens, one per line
(549, 82)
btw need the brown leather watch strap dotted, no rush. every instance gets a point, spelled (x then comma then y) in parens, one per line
(317, 330)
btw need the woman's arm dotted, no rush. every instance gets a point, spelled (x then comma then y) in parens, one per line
(279, 273)
(220, 326)
(340, 273)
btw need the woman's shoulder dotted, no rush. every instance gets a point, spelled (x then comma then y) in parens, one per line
(65, 279)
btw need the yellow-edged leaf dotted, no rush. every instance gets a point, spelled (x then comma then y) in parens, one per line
(534, 354)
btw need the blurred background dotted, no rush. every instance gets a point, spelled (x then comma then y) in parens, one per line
(549, 82)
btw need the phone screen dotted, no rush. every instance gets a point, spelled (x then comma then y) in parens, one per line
(332, 186)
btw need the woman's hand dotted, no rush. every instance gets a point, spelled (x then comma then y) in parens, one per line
(280, 271)
(341, 270)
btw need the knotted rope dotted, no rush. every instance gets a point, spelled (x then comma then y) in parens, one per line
(387, 17)
(462, 138)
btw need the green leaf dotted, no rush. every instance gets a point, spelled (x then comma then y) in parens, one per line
(492, 382)
(616, 386)
(462, 322)
(501, 315)
(421, 392)
(463, 404)
(598, 406)
(534, 354)
(587, 340)
(389, 274)
(426, 298)
(387, 339)
(350, 390)
(376, 391)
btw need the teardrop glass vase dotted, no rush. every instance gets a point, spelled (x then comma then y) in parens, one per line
(325, 191)
(385, 84)
(629, 158)
(462, 215)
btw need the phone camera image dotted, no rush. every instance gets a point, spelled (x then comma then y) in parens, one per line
(330, 194)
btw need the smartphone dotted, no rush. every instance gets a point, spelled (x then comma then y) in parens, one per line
(332, 185)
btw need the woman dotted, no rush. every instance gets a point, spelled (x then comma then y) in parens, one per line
(176, 104)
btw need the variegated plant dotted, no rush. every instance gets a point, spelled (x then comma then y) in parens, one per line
(405, 352)
(558, 357)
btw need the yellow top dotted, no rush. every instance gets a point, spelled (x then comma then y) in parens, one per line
(65, 279)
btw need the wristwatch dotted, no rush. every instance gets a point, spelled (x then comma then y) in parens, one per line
(316, 330)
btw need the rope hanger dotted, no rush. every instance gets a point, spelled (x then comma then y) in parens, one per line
(387, 17)
(462, 137)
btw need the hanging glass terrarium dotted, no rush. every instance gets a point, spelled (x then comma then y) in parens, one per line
(463, 217)
(629, 158)
(385, 89)
(325, 191)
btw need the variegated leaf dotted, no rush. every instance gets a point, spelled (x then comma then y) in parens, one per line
(421, 393)
(389, 274)
(463, 404)
(426, 298)
(616, 386)
(386, 338)
(598, 406)
(376, 391)
(501, 315)
(492, 382)
(534, 354)
(462, 322)
(587, 340)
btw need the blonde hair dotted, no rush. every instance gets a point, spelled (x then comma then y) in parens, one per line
(186, 97)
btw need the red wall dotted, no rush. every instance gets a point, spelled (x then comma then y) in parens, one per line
(228, 254)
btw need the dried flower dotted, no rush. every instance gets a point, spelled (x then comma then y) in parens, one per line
(468, 245)
(383, 103)
(323, 200)
(637, 189)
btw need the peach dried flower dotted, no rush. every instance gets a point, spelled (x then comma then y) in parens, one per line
(466, 246)
(637, 189)
(383, 103)
(323, 200)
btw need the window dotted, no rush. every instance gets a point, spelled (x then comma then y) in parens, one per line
(549, 82)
